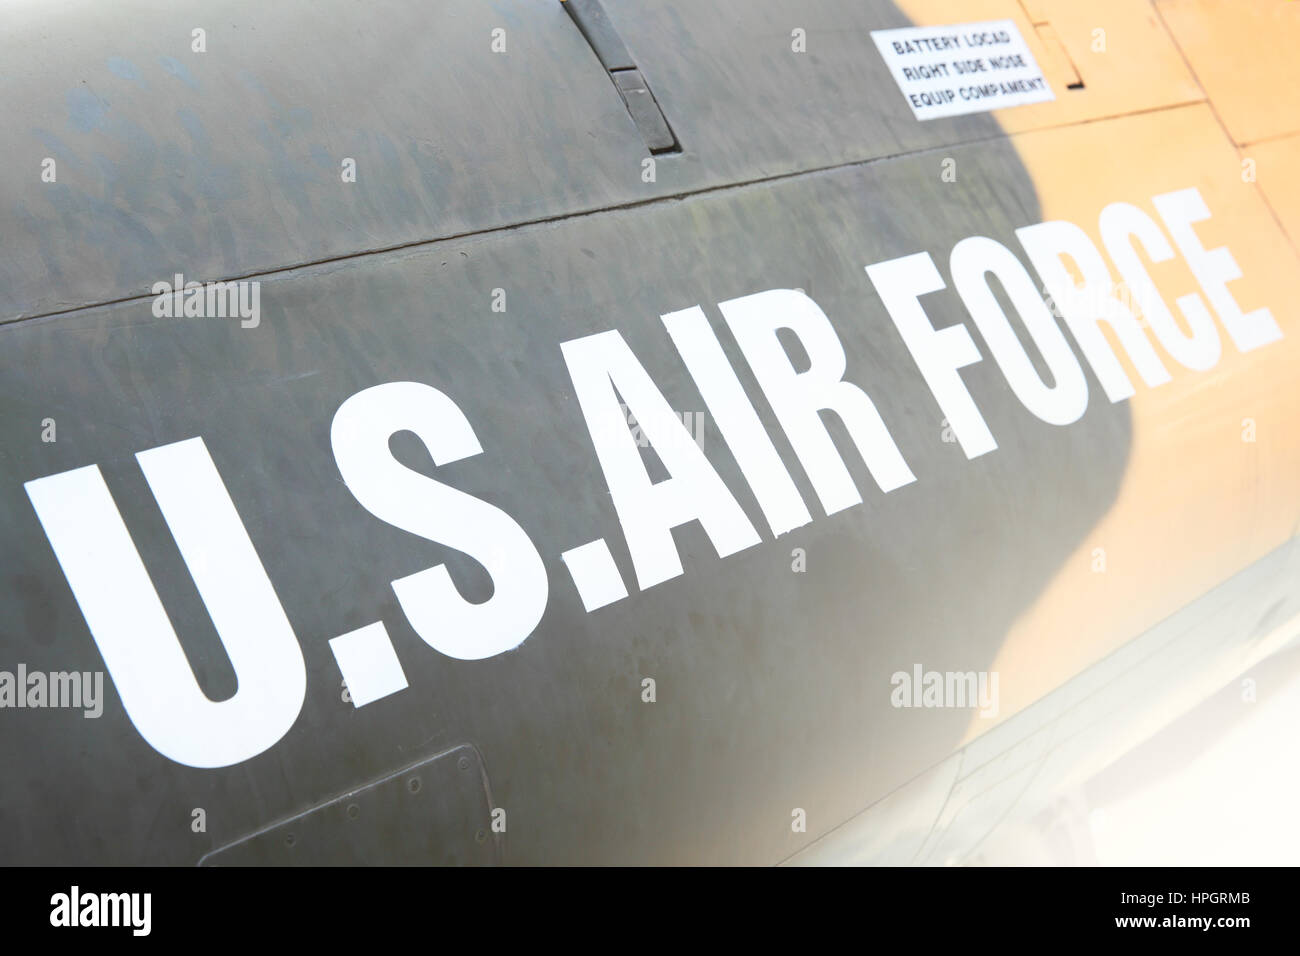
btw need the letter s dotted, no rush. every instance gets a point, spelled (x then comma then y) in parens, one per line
(415, 503)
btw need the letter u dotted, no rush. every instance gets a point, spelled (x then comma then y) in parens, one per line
(130, 625)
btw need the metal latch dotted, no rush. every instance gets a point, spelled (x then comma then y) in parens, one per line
(609, 48)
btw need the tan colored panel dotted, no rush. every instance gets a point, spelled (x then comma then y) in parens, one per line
(1140, 68)
(1197, 503)
(1244, 54)
(1277, 169)
(1036, 10)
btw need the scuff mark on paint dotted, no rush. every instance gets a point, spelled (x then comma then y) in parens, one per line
(179, 70)
(119, 66)
(85, 110)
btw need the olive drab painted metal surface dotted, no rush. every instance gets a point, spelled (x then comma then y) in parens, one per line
(411, 448)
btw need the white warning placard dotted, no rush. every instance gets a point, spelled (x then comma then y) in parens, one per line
(967, 68)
